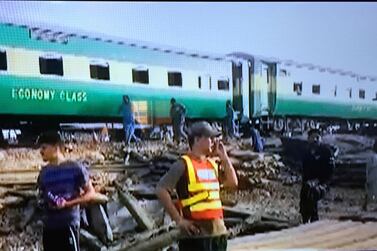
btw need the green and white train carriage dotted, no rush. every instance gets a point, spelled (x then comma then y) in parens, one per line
(324, 95)
(69, 77)
(284, 95)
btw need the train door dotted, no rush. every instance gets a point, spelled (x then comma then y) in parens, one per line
(237, 86)
(251, 86)
(272, 88)
(264, 88)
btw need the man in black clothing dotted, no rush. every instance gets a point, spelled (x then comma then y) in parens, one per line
(318, 165)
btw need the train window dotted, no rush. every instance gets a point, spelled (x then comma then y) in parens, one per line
(140, 76)
(51, 64)
(350, 92)
(99, 70)
(223, 84)
(3, 60)
(200, 82)
(375, 98)
(335, 90)
(210, 83)
(297, 88)
(174, 79)
(316, 89)
(362, 94)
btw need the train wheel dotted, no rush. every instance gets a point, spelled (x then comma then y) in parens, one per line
(278, 125)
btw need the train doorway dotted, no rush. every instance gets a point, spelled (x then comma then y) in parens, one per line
(237, 87)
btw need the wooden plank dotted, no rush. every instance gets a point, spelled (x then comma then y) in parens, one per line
(293, 236)
(319, 235)
(367, 244)
(138, 213)
(310, 239)
(282, 233)
(359, 237)
(334, 239)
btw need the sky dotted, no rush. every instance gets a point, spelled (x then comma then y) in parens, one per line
(339, 35)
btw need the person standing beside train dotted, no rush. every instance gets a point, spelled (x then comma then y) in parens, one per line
(317, 169)
(177, 115)
(371, 184)
(63, 185)
(197, 178)
(256, 138)
(230, 124)
(128, 120)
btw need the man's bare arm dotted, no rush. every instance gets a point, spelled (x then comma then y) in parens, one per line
(167, 202)
(230, 176)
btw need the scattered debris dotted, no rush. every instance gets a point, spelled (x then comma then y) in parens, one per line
(127, 214)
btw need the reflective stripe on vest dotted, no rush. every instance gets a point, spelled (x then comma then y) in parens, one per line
(204, 189)
(211, 195)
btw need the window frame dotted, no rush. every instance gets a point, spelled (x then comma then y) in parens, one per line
(98, 67)
(140, 70)
(314, 89)
(298, 91)
(172, 78)
(223, 80)
(3, 53)
(361, 94)
(45, 59)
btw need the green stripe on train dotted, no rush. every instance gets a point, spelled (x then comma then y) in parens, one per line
(310, 108)
(51, 96)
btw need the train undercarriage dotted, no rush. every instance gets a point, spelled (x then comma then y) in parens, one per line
(24, 132)
(298, 125)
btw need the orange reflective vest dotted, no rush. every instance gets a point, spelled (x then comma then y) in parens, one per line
(204, 190)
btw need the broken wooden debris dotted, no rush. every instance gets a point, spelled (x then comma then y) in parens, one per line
(158, 242)
(249, 222)
(99, 223)
(151, 240)
(138, 213)
(91, 241)
(28, 214)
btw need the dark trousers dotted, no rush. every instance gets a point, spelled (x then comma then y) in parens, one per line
(310, 194)
(217, 243)
(64, 239)
(178, 129)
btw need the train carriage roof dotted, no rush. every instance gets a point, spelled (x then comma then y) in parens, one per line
(75, 32)
(112, 47)
(308, 66)
(153, 51)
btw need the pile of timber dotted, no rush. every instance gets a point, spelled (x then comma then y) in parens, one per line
(255, 170)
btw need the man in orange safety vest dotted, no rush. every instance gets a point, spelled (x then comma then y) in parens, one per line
(197, 179)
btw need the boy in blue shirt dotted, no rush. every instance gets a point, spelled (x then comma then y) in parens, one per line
(63, 185)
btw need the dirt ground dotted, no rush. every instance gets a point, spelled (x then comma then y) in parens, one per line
(279, 198)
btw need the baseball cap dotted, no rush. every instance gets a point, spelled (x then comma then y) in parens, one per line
(203, 128)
